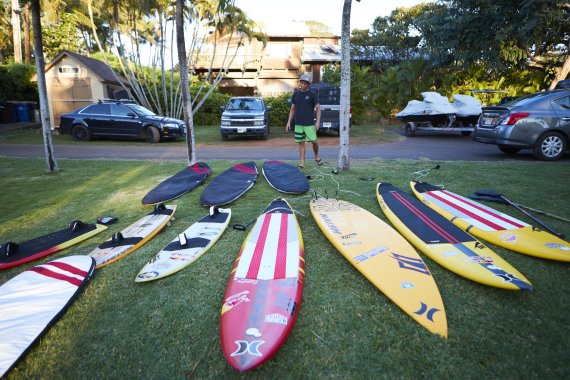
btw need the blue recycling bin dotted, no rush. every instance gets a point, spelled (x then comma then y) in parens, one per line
(23, 112)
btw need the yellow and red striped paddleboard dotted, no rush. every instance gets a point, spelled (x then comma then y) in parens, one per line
(385, 258)
(445, 243)
(492, 225)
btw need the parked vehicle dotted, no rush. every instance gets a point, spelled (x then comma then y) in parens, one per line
(436, 113)
(540, 121)
(245, 116)
(120, 118)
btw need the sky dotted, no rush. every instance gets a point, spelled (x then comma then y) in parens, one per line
(329, 12)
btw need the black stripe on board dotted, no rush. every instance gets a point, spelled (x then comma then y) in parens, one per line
(424, 222)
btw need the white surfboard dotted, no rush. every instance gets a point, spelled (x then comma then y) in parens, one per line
(188, 246)
(33, 300)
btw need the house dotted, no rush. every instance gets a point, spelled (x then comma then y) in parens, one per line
(74, 80)
(272, 69)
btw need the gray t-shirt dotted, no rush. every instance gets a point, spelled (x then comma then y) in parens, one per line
(305, 103)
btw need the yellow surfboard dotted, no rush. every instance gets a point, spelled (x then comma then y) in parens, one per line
(445, 243)
(492, 225)
(134, 236)
(385, 258)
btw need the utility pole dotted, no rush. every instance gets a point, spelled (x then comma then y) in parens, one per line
(15, 19)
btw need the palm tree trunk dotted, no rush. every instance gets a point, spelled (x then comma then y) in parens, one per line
(42, 90)
(185, 82)
(344, 135)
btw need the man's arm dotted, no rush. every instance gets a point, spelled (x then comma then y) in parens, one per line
(318, 111)
(290, 119)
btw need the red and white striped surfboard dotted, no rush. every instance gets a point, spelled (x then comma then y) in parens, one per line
(33, 300)
(492, 225)
(265, 289)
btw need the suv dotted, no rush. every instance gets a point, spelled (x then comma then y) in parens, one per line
(245, 116)
(120, 118)
(540, 121)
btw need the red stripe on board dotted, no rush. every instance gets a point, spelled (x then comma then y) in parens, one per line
(58, 276)
(497, 216)
(255, 262)
(68, 268)
(197, 169)
(425, 219)
(244, 169)
(281, 260)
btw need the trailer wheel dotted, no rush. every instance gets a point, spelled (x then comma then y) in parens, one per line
(409, 130)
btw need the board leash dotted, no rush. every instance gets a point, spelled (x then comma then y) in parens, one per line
(424, 173)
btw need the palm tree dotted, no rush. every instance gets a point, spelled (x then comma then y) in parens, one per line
(344, 135)
(42, 90)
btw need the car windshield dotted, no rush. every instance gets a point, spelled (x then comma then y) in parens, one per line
(141, 110)
(245, 104)
(525, 100)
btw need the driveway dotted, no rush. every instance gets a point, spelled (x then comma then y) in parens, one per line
(438, 147)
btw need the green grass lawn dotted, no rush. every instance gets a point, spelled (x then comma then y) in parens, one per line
(210, 135)
(169, 329)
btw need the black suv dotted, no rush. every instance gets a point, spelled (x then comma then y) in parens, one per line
(120, 118)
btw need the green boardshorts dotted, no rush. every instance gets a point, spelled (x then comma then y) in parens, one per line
(305, 133)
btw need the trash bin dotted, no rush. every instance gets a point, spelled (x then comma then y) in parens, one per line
(23, 112)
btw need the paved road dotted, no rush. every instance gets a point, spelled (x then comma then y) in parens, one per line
(433, 147)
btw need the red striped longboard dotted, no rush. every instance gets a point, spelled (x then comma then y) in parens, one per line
(492, 225)
(33, 300)
(265, 289)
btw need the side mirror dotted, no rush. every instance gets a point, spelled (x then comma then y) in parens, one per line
(222, 108)
(268, 108)
(131, 115)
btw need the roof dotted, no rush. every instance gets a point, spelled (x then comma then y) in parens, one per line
(101, 69)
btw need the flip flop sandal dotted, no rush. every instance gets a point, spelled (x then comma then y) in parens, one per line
(319, 162)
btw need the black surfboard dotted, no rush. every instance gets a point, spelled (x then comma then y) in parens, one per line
(285, 177)
(179, 184)
(230, 185)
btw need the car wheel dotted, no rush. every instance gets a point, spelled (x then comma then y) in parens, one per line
(550, 146)
(509, 149)
(409, 130)
(264, 137)
(225, 137)
(152, 135)
(81, 133)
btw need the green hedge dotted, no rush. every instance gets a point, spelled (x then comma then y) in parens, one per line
(15, 83)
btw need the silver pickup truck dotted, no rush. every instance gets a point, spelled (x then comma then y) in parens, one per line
(245, 116)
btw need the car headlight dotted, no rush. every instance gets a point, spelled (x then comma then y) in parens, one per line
(258, 121)
(226, 122)
(170, 126)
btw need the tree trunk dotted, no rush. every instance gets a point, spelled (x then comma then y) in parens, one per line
(42, 91)
(561, 72)
(185, 82)
(344, 132)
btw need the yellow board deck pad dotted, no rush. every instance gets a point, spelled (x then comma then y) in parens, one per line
(445, 243)
(134, 236)
(492, 225)
(385, 258)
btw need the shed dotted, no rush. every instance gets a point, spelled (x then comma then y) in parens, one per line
(74, 80)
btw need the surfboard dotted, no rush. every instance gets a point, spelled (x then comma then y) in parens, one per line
(230, 185)
(13, 254)
(134, 236)
(284, 177)
(32, 301)
(445, 243)
(265, 288)
(385, 258)
(179, 184)
(187, 247)
(491, 225)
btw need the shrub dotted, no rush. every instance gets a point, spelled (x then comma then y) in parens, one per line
(15, 83)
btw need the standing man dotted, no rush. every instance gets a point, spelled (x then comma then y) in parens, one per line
(304, 103)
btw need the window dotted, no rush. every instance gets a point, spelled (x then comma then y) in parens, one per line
(96, 109)
(563, 102)
(118, 110)
(68, 70)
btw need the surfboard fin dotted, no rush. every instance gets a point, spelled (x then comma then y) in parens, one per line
(9, 249)
(76, 225)
(214, 210)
